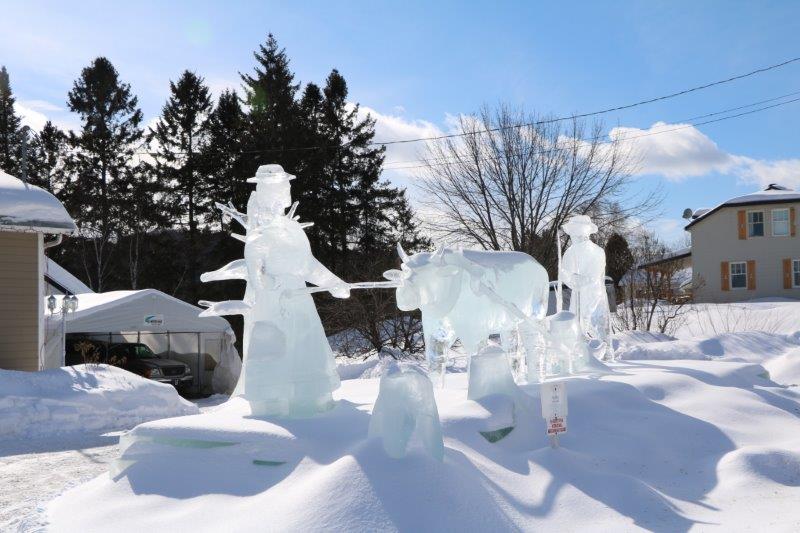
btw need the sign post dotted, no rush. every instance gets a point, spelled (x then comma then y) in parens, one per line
(554, 409)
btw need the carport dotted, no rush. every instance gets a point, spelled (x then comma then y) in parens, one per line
(163, 323)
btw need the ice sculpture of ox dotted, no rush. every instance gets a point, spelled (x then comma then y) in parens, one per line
(471, 293)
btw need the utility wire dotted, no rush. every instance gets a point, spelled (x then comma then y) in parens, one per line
(429, 163)
(528, 124)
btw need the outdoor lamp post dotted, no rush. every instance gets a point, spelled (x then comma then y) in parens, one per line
(69, 304)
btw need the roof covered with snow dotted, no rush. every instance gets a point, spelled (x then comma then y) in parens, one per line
(130, 310)
(25, 207)
(773, 194)
(56, 274)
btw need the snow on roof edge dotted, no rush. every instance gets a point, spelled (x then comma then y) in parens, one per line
(771, 195)
(25, 207)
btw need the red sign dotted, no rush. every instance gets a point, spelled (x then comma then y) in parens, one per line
(556, 425)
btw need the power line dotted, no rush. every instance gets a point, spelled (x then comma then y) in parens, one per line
(430, 163)
(528, 124)
(599, 137)
(603, 111)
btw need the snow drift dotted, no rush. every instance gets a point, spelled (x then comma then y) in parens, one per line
(82, 398)
(658, 445)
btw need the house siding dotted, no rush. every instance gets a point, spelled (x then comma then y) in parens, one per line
(716, 240)
(20, 294)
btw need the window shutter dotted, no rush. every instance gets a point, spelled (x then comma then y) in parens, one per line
(725, 276)
(787, 273)
(792, 230)
(742, 218)
(751, 275)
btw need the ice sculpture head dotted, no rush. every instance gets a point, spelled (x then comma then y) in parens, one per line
(579, 226)
(428, 282)
(273, 189)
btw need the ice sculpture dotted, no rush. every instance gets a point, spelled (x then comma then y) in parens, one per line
(472, 294)
(567, 348)
(288, 367)
(490, 373)
(583, 270)
(406, 407)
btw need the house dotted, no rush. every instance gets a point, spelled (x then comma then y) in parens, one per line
(31, 220)
(669, 277)
(747, 247)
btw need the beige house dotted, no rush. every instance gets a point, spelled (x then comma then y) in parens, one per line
(747, 247)
(31, 220)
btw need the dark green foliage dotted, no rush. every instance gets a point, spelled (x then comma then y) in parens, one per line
(10, 124)
(99, 162)
(619, 258)
(46, 157)
(180, 137)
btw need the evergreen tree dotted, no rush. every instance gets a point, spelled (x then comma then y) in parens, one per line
(99, 161)
(223, 164)
(10, 124)
(46, 157)
(359, 198)
(619, 258)
(180, 136)
(273, 128)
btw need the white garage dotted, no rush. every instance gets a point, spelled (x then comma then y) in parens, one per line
(165, 324)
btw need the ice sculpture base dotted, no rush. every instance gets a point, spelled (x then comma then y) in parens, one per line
(490, 373)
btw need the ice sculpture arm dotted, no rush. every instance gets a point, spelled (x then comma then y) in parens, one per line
(322, 277)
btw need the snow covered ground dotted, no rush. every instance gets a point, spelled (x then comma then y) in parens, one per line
(659, 445)
(34, 470)
(696, 432)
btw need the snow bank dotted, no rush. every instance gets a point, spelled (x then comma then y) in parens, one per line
(82, 398)
(659, 445)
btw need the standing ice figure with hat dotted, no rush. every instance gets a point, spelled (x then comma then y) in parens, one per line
(288, 366)
(583, 270)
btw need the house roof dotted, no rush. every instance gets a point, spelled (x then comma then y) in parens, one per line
(671, 256)
(773, 194)
(26, 207)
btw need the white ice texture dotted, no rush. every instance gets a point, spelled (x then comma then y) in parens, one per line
(288, 367)
(490, 373)
(406, 408)
(472, 294)
(583, 270)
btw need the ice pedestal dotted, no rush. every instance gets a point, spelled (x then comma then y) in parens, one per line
(406, 407)
(490, 373)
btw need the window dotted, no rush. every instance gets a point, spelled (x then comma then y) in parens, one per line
(796, 273)
(780, 222)
(755, 223)
(739, 275)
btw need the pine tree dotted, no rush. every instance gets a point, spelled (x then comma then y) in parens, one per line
(273, 129)
(46, 158)
(619, 258)
(223, 163)
(180, 137)
(10, 124)
(360, 199)
(101, 155)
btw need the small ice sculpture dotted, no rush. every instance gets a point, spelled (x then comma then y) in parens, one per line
(406, 407)
(583, 270)
(490, 373)
(567, 348)
(472, 294)
(288, 367)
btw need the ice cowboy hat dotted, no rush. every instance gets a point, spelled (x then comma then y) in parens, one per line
(268, 174)
(579, 225)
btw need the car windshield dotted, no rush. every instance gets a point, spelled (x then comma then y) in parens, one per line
(140, 351)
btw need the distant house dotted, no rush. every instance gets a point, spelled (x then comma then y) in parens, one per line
(31, 220)
(747, 247)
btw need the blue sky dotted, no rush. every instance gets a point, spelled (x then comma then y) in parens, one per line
(414, 64)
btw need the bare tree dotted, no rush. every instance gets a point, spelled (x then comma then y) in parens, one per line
(653, 299)
(514, 178)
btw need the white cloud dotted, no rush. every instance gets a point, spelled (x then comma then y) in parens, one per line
(681, 151)
(675, 151)
(390, 127)
(30, 116)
